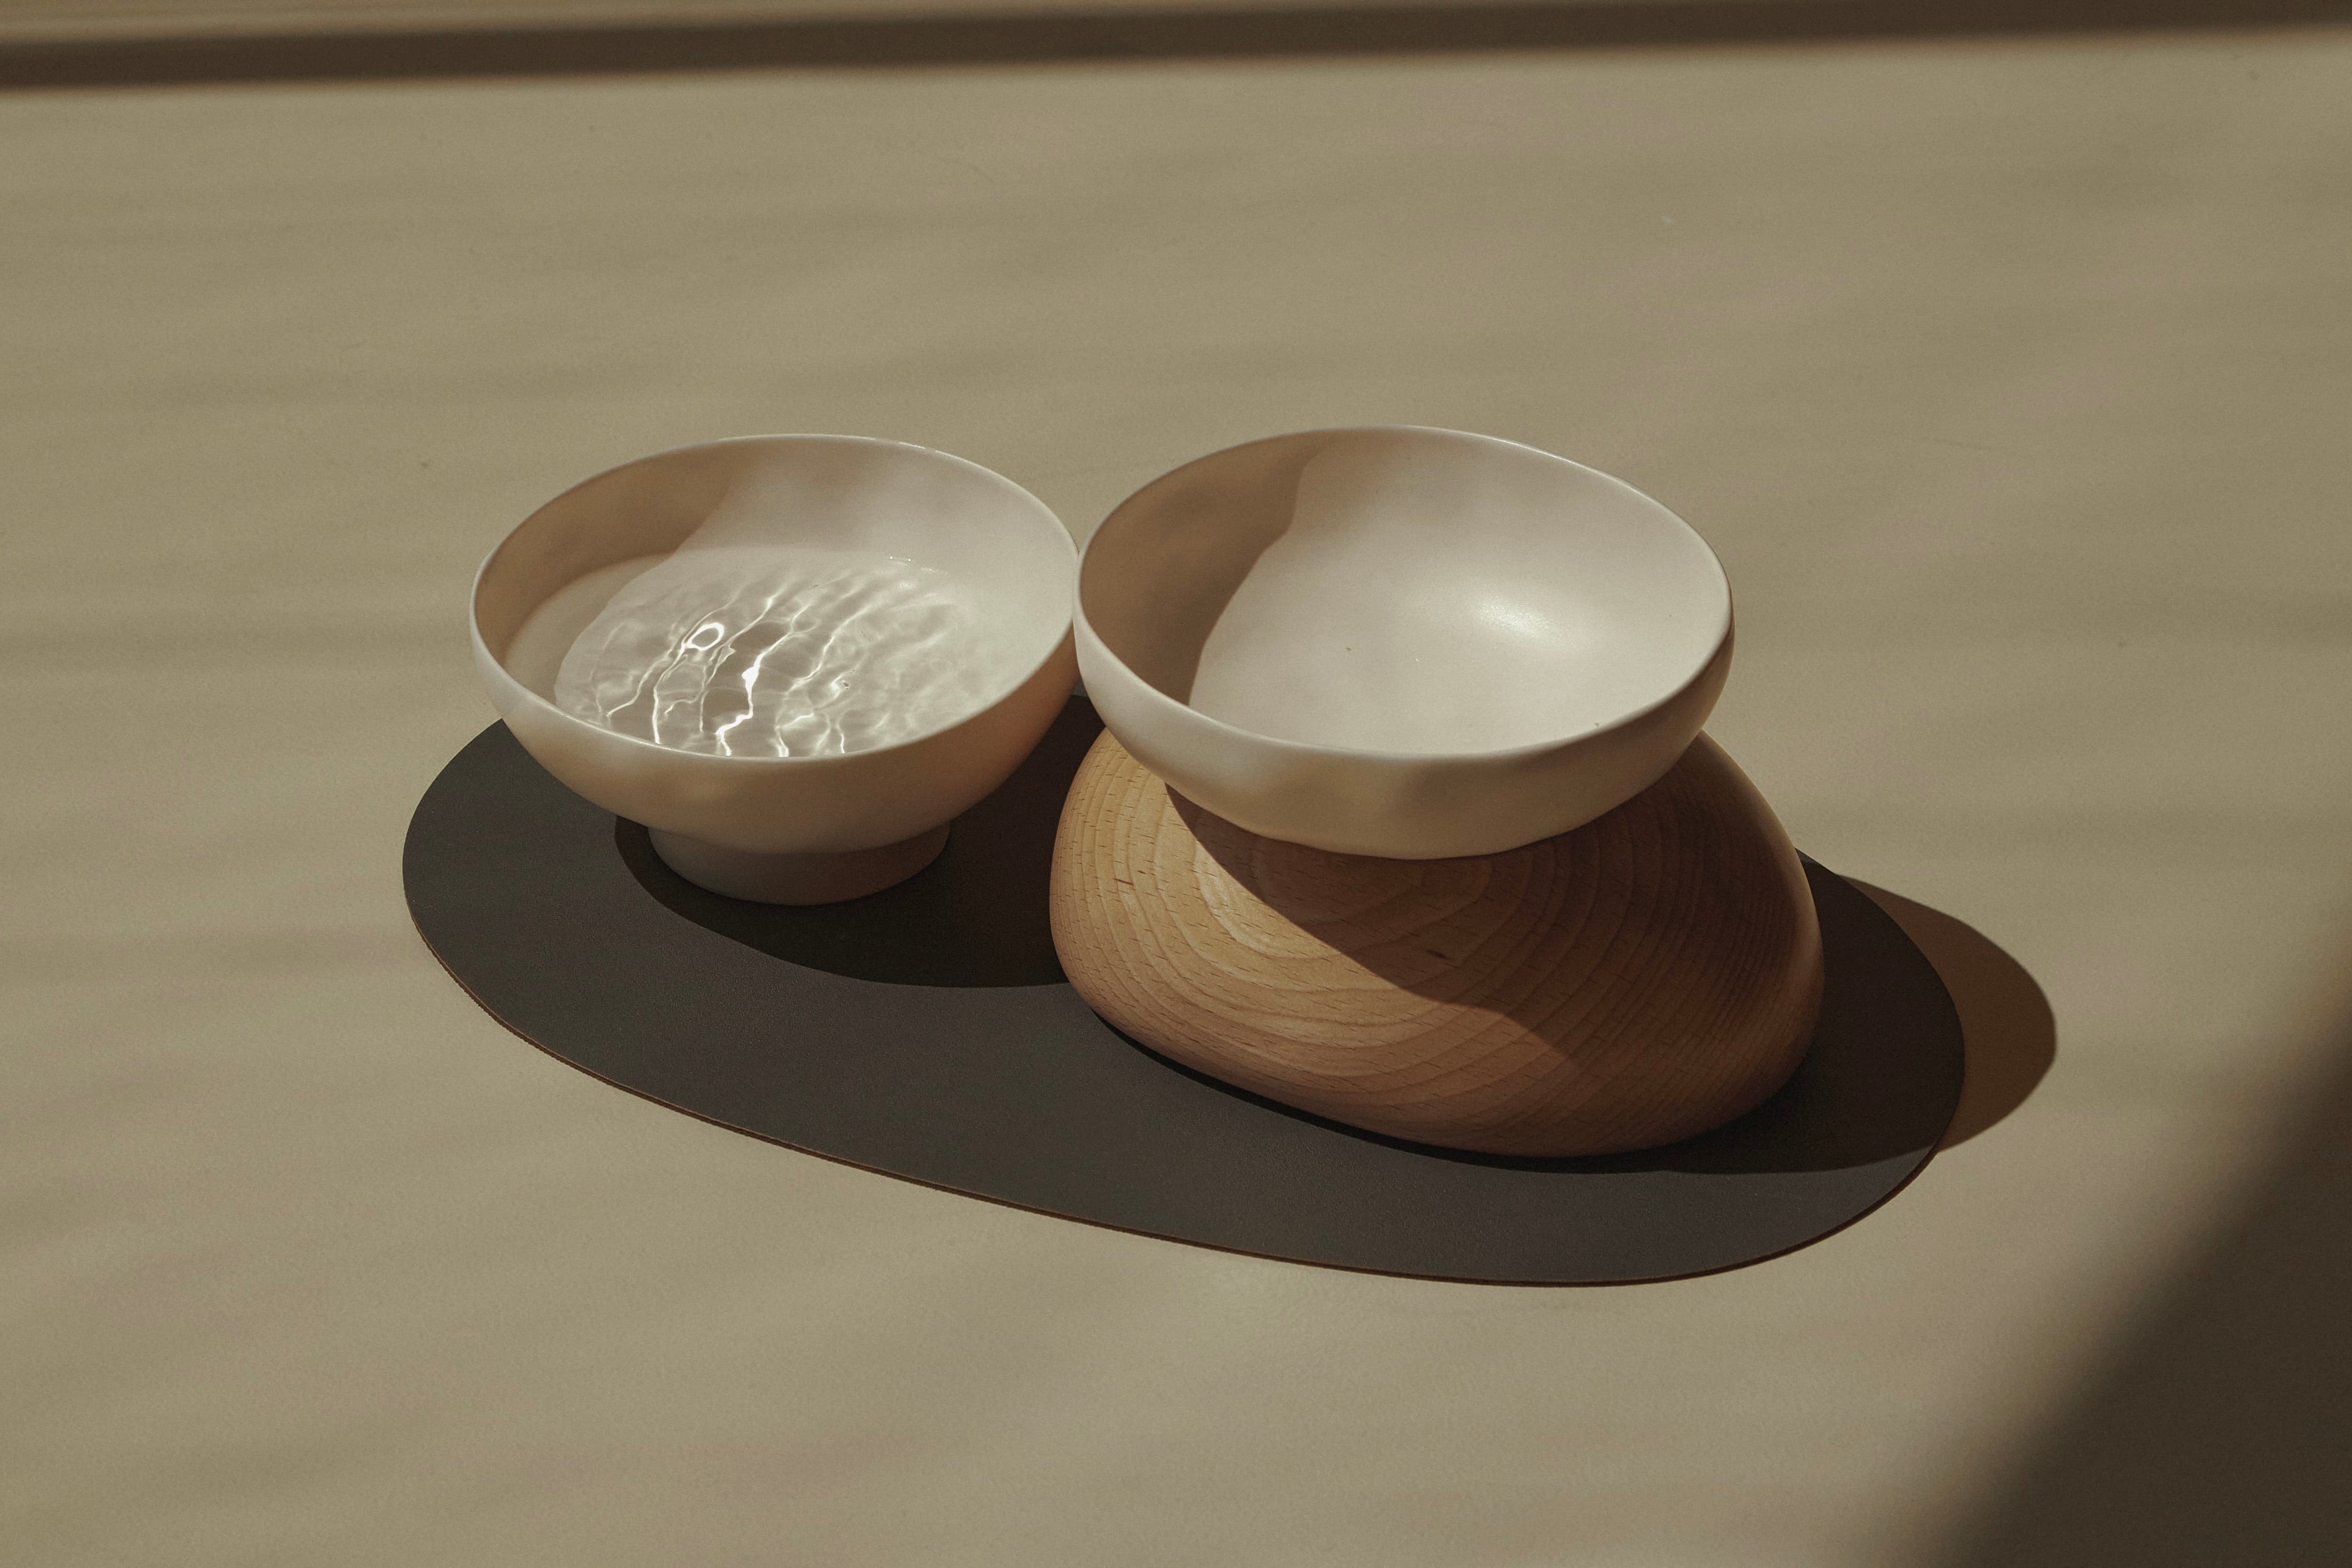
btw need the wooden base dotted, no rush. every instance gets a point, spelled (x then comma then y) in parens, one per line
(1638, 981)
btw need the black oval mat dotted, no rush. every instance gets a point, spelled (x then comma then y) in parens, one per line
(925, 1032)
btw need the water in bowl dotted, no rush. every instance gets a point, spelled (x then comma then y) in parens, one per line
(784, 652)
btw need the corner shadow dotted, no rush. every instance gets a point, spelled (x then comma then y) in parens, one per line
(2218, 1434)
(2011, 1036)
(976, 916)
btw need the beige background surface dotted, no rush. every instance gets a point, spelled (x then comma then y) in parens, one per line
(2010, 382)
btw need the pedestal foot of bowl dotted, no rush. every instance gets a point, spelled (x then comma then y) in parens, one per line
(797, 878)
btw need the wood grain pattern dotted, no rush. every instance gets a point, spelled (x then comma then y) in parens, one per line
(1640, 979)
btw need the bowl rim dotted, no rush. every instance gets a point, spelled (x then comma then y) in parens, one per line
(1153, 696)
(542, 706)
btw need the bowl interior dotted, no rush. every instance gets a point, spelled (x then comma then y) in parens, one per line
(560, 568)
(1403, 591)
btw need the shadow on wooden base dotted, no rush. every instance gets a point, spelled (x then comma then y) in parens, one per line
(1642, 979)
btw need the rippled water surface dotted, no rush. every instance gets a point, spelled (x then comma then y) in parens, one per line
(772, 651)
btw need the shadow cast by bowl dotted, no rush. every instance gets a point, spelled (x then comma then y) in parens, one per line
(974, 917)
(2011, 1034)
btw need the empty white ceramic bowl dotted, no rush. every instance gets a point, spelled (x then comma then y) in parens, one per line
(797, 829)
(1401, 641)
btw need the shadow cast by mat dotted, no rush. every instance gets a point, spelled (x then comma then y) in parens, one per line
(1019, 1095)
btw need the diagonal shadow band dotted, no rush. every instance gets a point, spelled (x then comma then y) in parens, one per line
(2011, 1036)
(1078, 37)
(2215, 1430)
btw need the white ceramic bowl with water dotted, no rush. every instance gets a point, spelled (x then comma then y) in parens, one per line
(794, 658)
(1401, 641)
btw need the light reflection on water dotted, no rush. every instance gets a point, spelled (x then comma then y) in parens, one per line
(772, 652)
